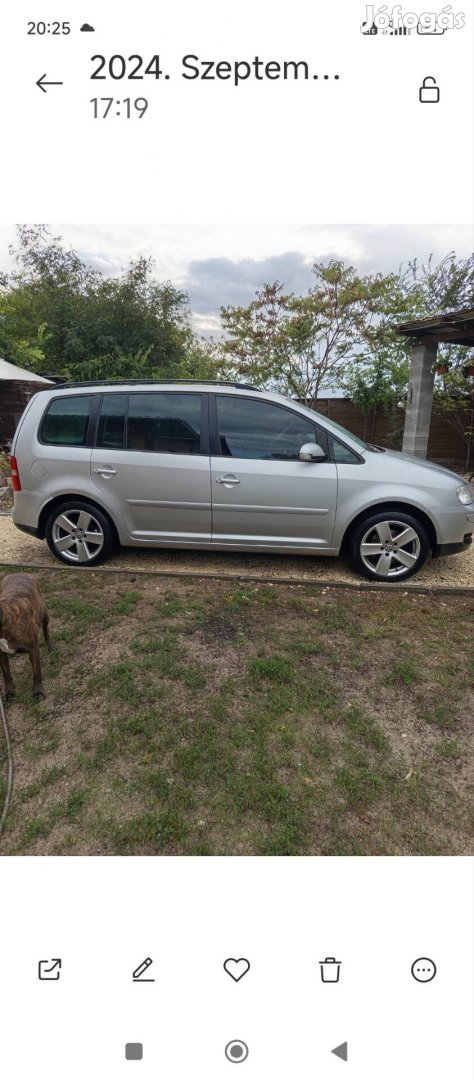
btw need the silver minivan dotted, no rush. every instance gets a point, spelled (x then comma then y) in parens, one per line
(224, 466)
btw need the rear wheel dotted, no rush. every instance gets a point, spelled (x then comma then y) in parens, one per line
(79, 534)
(389, 546)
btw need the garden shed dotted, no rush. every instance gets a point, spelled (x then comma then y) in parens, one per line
(16, 387)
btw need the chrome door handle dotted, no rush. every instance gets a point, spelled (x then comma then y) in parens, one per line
(105, 472)
(227, 480)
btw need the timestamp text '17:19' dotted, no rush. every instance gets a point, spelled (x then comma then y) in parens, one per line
(126, 107)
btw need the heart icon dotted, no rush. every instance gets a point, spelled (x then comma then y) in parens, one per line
(236, 968)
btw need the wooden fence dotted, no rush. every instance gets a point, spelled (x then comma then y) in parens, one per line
(445, 443)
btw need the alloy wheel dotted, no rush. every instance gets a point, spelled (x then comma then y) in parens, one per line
(78, 536)
(390, 548)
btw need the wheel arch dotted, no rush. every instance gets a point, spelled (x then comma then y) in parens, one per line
(59, 499)
(390, 507)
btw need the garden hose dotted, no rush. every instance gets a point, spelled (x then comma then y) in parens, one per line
(8, 796)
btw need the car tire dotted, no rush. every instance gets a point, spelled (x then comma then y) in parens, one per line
(79, 534)
(389, 546)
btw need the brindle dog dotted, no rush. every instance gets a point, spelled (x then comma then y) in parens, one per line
(22, 612)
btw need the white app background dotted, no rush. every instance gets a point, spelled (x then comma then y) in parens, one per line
(102, 918)
(361, 148)
(358, 149)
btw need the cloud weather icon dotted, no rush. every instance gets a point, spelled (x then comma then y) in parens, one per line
(87, 28)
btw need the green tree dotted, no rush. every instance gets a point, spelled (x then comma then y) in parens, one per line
(435, 288)
(66, 318)
(297, 344)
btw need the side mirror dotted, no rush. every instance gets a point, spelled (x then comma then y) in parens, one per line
(311, 452)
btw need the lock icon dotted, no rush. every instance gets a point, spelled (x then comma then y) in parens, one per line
(429, 93)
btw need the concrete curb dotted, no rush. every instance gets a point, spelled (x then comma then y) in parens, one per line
(363, 586)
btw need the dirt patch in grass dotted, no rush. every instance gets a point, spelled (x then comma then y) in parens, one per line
(198, 717)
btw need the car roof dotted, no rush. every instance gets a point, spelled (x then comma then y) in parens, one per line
(120, 385)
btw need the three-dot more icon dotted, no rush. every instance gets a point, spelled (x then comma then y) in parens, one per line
(423, 969)
(236, 1051)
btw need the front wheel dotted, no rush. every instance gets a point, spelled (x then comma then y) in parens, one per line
(79, 534)
(389, 546)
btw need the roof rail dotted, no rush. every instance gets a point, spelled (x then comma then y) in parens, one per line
(155, 382)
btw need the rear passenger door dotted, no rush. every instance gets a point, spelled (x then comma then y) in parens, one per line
(263, 496)
(151, 463)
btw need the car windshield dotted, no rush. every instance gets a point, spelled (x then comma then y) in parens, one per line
(334, 424)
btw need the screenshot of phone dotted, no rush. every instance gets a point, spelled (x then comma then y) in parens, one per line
(236, 522)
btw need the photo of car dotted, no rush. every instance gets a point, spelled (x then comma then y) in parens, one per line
(217, 466)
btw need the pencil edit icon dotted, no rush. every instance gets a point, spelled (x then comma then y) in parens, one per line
(141, 970)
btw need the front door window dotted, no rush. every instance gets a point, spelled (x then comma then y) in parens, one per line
(260, 430)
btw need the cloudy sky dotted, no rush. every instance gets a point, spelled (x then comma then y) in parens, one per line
(219, 265)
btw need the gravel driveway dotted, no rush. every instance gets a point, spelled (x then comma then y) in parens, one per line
(16, 548)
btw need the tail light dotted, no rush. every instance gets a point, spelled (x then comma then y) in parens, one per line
(16, 483)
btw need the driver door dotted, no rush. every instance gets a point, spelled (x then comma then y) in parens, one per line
(263, 497)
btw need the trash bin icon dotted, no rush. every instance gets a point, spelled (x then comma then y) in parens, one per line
(330, 969)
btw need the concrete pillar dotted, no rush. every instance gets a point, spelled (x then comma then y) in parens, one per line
(420, 400)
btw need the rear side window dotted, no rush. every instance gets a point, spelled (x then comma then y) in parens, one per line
(164, 423)
(111, 431)
(67, 421)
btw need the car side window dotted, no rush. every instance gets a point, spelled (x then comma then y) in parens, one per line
(342, 455)
(164, 423)
(258, 429)
(111, 430)
(67, 421)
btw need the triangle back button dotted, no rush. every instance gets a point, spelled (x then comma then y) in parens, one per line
(341, 1051)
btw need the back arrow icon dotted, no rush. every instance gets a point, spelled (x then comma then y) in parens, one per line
(341, 1051)
(42, 83)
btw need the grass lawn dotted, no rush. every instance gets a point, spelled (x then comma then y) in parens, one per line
(194, 717)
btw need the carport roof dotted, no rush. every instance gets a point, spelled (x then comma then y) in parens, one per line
(12, 373)
(456, 327)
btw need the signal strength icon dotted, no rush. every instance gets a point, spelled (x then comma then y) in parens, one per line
(401, 31)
